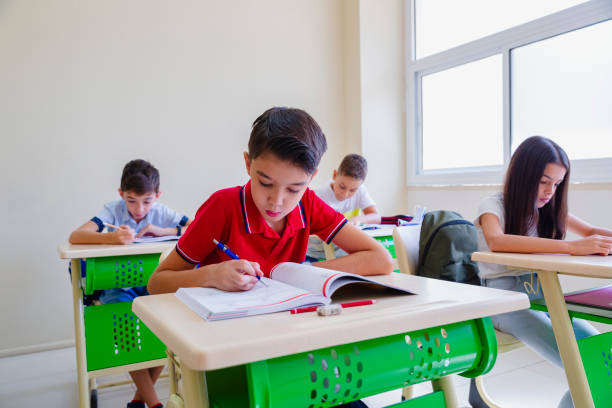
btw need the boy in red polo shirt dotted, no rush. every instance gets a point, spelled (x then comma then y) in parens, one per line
(268, 220)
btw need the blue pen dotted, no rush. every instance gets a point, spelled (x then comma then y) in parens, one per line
(232, 255)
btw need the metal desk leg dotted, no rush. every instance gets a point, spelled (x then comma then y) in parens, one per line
(195, 393)
(566, 340)
(445, 384)
(79, 334)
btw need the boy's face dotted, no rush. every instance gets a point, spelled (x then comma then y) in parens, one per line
(138, 205)
(277, 186)
(345, 186)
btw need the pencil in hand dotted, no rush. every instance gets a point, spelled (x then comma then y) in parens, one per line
(232, 255)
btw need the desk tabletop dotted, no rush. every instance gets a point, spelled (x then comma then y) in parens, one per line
(204, 345)
(70, 251)
(594, 266)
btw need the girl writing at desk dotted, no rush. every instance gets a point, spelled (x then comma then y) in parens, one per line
(531, 216)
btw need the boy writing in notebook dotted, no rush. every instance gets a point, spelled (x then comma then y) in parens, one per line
(269, 219)
(136, 214)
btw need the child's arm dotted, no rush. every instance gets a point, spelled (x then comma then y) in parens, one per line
(174, 272)
(366, 256)
(88, 234)
(156, 231)
(585, 229)
(500, 242)
(370, 216)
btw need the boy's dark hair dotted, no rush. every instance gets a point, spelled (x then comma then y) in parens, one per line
(140, 177)
(354, 165)
(289, 133)
(521, 190)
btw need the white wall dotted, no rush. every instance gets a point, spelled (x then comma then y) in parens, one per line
(86, 86)
(382, 102)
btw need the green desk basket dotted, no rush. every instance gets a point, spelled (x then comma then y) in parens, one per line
(115, 336)
(596, 354)
(119, 271)
(330, 376)
(387, 242)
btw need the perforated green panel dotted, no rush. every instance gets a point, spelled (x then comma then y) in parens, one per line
(115, 336)
(596, 353)
(388, 243)
(119, 271)
(327, 377)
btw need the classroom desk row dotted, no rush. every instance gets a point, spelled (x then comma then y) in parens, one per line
(394, 330)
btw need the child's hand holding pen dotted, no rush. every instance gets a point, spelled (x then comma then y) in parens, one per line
(123, 234)
(237, 274)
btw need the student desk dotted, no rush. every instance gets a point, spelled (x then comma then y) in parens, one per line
(548, 268)
(106, 360)
(304, 360)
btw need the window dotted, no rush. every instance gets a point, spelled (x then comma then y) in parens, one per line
(461, 107)
(444, 24)
(562, 86)
(475, 93)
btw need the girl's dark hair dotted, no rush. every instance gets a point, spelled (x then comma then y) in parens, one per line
(140, 177)
(521, 190)
(290, 134)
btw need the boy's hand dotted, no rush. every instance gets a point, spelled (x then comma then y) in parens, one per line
(124, 235)
(236, 275)
(155, 231)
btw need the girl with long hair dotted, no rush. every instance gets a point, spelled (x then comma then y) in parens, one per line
(531, 216)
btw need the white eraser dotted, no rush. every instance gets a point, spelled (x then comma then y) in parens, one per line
(329, 310)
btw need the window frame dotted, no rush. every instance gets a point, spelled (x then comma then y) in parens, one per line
(570, 19)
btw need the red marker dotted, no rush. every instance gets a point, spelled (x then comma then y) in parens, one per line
(347, 304)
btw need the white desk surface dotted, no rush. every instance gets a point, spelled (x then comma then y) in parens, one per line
(69, 251)
(595, 266)
(204, 345)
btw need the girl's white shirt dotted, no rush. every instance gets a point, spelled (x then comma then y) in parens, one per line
(494, 204)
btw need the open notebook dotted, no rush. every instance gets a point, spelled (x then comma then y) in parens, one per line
(147, 238)
(291, 285)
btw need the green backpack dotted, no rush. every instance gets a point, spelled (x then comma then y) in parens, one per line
(445, 248)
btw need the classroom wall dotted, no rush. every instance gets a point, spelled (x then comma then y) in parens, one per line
(86, 86)
(382, 102)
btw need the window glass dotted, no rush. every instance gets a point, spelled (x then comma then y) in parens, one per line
(463, 116)
(562, 89)
(444, 24)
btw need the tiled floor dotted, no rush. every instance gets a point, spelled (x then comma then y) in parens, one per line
(520, 379)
